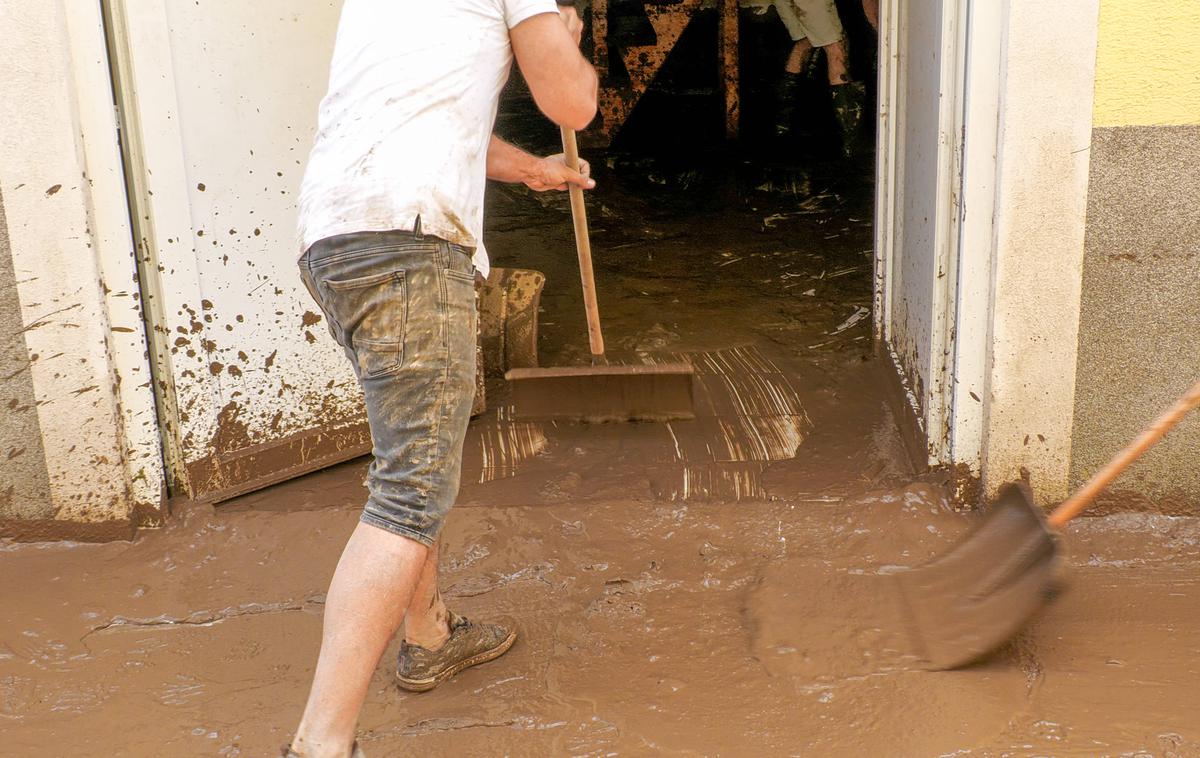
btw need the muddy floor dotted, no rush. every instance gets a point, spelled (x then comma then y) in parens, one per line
(712, 587)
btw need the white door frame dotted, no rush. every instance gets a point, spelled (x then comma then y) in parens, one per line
(149, 105)
(929, 414)
(979, 116)
(1016, 128)
(116, 254)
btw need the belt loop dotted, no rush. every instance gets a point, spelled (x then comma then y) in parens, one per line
(417, 233)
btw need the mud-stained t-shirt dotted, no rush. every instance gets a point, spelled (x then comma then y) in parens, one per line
(403, 132)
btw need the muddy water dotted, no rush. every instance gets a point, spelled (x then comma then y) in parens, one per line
(718, 587)
(647, 628)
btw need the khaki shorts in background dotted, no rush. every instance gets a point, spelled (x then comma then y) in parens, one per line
(816, 20)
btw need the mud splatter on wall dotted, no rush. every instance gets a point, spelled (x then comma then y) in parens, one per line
(73, 281)
(262, 392)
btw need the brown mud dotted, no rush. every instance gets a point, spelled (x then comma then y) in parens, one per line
(718, 586)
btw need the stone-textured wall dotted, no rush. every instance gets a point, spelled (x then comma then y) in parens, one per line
(1140, 333)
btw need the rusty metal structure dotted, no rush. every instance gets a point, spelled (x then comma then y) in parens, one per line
(669, 19)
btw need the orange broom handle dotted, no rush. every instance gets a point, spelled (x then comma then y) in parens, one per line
(1148, 439)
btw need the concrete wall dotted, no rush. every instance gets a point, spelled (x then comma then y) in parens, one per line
(78, 433)
(1139, 344)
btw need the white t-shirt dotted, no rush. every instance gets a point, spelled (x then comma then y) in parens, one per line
(404, 131)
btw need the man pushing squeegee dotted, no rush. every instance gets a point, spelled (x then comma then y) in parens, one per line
(391, 220)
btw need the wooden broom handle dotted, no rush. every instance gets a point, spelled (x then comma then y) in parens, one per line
(584, 247)
(1155, 432)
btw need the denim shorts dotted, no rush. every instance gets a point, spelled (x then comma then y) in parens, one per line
(403, 308)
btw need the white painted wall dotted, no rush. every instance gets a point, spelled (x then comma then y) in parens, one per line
(64, 197)
(221, 102)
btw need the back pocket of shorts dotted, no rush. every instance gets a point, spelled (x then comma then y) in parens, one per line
(372, 312)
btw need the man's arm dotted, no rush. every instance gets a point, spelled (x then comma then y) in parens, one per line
(509, 163)
(563, 83)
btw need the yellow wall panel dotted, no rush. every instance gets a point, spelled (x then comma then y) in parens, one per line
(1148, 64)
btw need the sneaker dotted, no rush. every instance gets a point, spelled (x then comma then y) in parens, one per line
(471, 643)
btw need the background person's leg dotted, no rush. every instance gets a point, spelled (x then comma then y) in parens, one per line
(798, 57)
(787, 89)
(849, 97)
(837, 62)
(825, 31)
(370, 592)
(871, 10)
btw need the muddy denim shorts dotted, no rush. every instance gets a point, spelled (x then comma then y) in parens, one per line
(403, 308)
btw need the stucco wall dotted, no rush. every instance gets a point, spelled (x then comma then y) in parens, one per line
(1041, 184)
(1140, 332)
(1139, 344)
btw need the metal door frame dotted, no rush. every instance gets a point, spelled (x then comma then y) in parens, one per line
(140, 43)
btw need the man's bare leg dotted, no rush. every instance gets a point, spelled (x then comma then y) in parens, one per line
(427, 622)
(370, 591)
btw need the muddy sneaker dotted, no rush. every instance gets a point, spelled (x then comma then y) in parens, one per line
(471, 643)
(289, 753)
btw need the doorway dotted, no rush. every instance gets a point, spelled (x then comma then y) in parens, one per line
(768, 261)
(752, 258)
